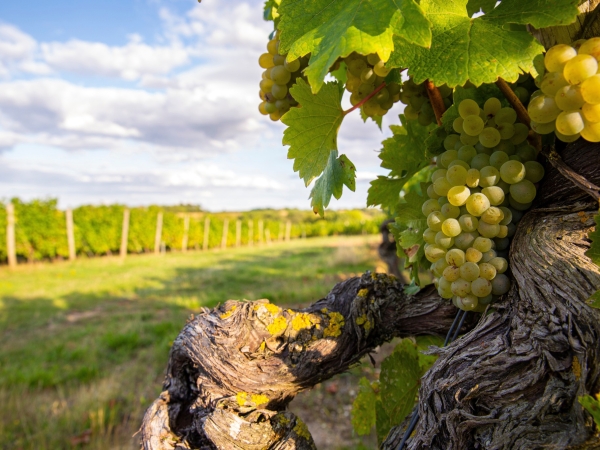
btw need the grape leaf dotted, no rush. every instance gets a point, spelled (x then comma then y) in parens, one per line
(312, 129)
(331, 29)
(480, 49)
(474, 6)
(385, 192)
(592, 406)
(363, 408)
(338, 172)
(594, 300)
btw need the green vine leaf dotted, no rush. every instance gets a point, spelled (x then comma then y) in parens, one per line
(331, 29)
(363, 408)
(338, 172)
(385, 192)
(474, 6)
(592, 406)
(313, 128)
(480, 49)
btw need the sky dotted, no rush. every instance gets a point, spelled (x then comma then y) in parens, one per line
(151, 102)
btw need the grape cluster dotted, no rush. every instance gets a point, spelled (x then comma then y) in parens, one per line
(484, 181)
(364, 75)
(418, 106)
(568, 102)
(278, 77)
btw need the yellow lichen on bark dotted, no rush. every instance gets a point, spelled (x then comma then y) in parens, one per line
(278, 326)
(302, 430)
(228, 313)
(301, 321)
(336, 323)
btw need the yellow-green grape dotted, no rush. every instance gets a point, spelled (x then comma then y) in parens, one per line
(365, 89)
(503, 184)
(431, 193)
(500, 264)
(265, 60)
(569, 122)
(552, 82)
(457, 124)
(500, 284)
(543, 109)
(456, 175)
(534, 172)
(444, 288)
(488, 230)
(450, 211)
(489, 176)
(481, 287)
(430, 206)
(442, 201)
(591, 113)
(429, 236)
(517, 205)
(266, 85)
(523, 192)
(543, 128)
(489, 255)
(521, 132)
(447, 157)
(590, 47)
(458, 195)
(591, 132)
(492, 215)
(458, 162)
(569, 97)
(469, 271)
(480, 161)
(512, 228)
(473, 177)
(506, 115)
(473, 255)
(411, 113)
(482, 244)
(275, 116)
(512, 172)
(506, 130)
(466, 153)
(468, 302)
(467, 108)
(502, 233)
(497, 159)
(440, 173)
(270, 107)
(491, 106)
(502, 243)
(262, 109)
(508, 215)
(579, 68)
(434, 252)
(356, 66)
(455, 257)
(507, 147)
(292, 66)
(567, 137)
(461, 287)
(487, 271)
(451, 227)
(468, 222)
(278, 60)
(464, 240)
(352, 84)
(489, 137)
(441, 186)
(451, 273)
(472, 125)
(477, 203)
(435, 220)
(557, 57)
(465, 139)
(272, 46)
(380, 69)
(444, 241)
(450, 141)
(280, 75)
(438, 267)
(494, 194)
(527, 153)
(279, 91)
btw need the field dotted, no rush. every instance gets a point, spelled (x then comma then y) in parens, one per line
(83, 345)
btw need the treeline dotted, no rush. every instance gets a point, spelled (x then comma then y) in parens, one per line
(41, 232)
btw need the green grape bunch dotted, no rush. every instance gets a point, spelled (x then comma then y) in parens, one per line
(484, 182)
(418, 106)
(279, 75)
(568, 102)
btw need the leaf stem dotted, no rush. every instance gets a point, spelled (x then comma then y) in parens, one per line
(514, 101)
(366, 99)
(437, 103)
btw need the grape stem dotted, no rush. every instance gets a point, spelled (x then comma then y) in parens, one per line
(437, 103)
(514, 101)
(366, 99)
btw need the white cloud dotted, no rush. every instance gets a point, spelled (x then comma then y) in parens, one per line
(18, 52)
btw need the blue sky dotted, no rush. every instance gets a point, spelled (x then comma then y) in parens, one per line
(149, 101)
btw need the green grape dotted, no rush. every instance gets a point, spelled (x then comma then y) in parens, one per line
(591, 113)
(488, 230)
(543, 128)
(458, 195)
(569, 122)
(461, 287)
(265, 61)
(468, 222)
(467, 303)
(442, 201)
(527, 153)
(266, 85)
(580, 68)
(481, 287)
(456, 176)
(500, 264)
(489, 176)
(451, 227)
(450, 141)
(292, 66)
(450, 211)
(356, 66)
(367, 75)
(503, 184)
(473, 255)
(262, 108)
(522, 94)
(380, 69)
(466, 153)
(393, 87)
(494, 194)
(434, 252)
(512, 172)
(283, 105)
(590, 47)
(280, 75)
(447, 157)
(272, 46)
(417, 101)
(365, 89)
(270, 107)
(469, 271)
(443, 241)
(482, 244)
(569, 98)
(567, 137)
(275, 116)
(445, 292)
(473, 125)
(279, 91)
(438, 267)
(480, 161)
(506, 115)
(487, 271)
(507, 215)
(502, 243)
(458, 162)
(521, 132)
(473, 177)
(355, 99)
(512, 229)
(468, 107)
(492, 215)
(515, 205)
(430, 206)
(429, 236)
(452, 273)
(441, 186)
(382, 96)
(278, 60)
(435, 220)
(491, 106)
(489, 137)
(477, 203)
(489, 255)
(484, 301)
(591, 132)
(523, 192)
(590, 90)
(543, 109)
(465, 139)
(500, 284)
(512, 158)
(373, 58)
(455, 257)
(506, 146)
(497, 159)
(464, 240)
(534, 171)
(506, 130)
(410, 113)
(439, 173)
(552, 82)
(457, 124)
(503, 232)
(558, 56)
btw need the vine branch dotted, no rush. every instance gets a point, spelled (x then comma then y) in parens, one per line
(366, 99)
(514, 101)
(437, 103)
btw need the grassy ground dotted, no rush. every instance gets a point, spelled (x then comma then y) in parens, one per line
(83, 345)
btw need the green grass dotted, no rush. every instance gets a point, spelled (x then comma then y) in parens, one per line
(84, 345)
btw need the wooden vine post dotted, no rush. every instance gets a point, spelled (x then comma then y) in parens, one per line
(124, 233)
